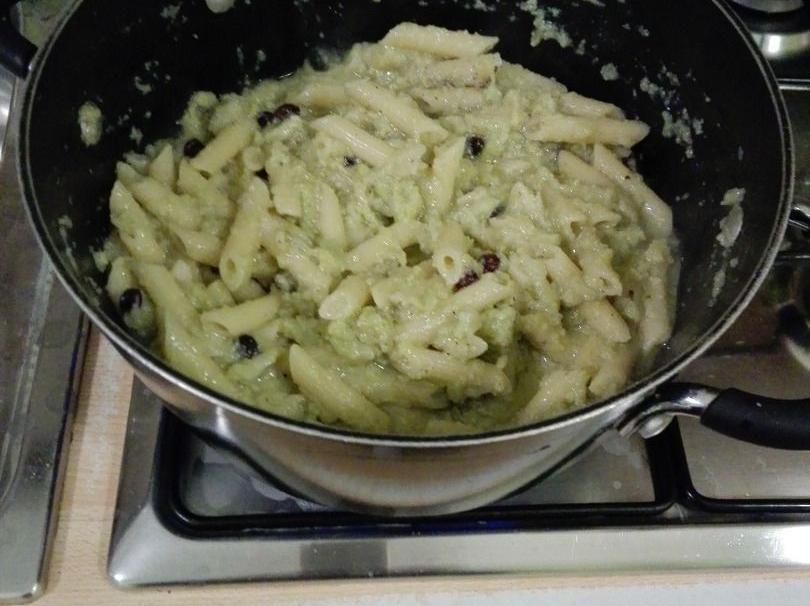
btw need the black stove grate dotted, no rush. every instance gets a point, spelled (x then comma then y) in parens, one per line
(676, 501)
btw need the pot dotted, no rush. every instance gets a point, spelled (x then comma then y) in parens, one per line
(696, 51)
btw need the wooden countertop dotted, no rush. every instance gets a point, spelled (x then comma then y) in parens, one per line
(79, 555)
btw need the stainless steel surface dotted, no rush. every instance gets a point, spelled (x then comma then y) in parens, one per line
(782, 45)
(391, 477)
(216, 483)
(42, 336)
(771, 6)
(145, 550)
(6, 90)
(736, 470)
(691, 401)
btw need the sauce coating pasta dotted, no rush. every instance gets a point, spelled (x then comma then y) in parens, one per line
(421, 239)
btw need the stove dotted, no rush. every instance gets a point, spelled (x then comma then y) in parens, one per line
(189, 512)
(685, 499)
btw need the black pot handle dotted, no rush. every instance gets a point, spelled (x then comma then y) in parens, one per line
(766, 421)
(783, 424)
(16, 52)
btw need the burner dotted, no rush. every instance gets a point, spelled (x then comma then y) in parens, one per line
(780, 28)
(772, 6)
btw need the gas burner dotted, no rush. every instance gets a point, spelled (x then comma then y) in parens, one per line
(772, 6)
(781, 28)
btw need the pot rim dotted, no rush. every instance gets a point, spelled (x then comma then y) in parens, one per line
(637, 390)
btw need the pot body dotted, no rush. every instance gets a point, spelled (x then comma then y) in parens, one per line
(696, 54)
(391, 479)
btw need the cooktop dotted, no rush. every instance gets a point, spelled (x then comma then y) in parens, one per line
(685, 499)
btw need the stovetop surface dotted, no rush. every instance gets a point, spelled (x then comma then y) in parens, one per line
(202, 514)
(188, 512)
(191, 513)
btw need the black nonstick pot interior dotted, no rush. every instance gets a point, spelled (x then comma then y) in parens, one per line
(140, 62)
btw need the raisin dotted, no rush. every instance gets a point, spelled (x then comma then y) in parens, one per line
(469, 277)
(246, 346)
(192, 148)
(265, 118)
(490, 262)
(474, 146)
(129, 300)
(498, 210)
(285, 111)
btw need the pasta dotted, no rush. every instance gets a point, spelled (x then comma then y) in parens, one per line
(420, 239)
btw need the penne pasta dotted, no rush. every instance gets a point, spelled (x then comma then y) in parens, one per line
(346, 300)
(404, 114)
(474, 72)
(134, 226)
(418, 238)
(324, 387)
(245, 317)
(559, 128)
(657, 215)
(162, 168)
(164, 204)
(235, 263)
(228, 142)
(212, 200)
(438, 41)
(367, 147)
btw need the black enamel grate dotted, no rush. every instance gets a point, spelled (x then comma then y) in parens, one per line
(675, 501)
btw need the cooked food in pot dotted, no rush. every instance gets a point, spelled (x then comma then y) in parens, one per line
(419, 238)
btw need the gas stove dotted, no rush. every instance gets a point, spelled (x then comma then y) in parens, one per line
(685, 499)
(189, 512)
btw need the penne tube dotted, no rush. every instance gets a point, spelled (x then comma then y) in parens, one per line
(166, 205)
(245, 317)
(235, 263)
(212, 200)
(438, 41)
(657, 215)
(162, 168)
(324, 387)
(365, 146)
(402, 113)
(229, 141)
(346, 300)
(559, 128)
(134, 226)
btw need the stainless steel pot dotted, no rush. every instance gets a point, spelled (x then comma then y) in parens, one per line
(101, 47)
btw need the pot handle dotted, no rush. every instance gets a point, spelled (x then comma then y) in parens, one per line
(772, 422)
(16, 52)
(766, 421)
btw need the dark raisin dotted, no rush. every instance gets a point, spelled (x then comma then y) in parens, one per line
(490, 262)
(265, 118)
(129, 300)
(349, 161)
(192, 148)
(498, 210)
(246, 346)
(474, 146)
(469, 277)
(262, 174)
(285, 111)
